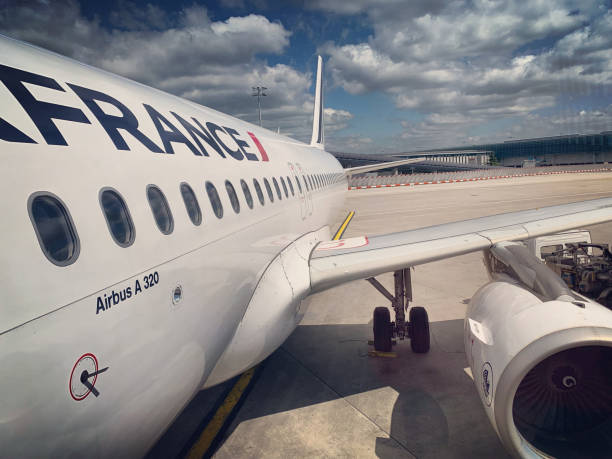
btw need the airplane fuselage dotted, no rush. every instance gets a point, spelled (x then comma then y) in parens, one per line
(160, 310)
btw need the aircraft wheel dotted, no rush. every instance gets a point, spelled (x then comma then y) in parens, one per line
(382, 329)
(419, 330)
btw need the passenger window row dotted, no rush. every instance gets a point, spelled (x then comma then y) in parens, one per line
(59, 240)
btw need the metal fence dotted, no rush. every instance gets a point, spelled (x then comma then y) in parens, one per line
(380, 181)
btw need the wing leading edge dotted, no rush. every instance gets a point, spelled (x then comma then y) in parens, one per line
(335, 262)
(374, 167)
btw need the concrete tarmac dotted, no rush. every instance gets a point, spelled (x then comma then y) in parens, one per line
(321, 395)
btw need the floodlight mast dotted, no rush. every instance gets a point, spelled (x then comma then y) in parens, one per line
(259, 92)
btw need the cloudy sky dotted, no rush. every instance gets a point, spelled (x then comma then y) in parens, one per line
(401, 75)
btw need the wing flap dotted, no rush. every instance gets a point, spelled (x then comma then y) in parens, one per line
(342, 261)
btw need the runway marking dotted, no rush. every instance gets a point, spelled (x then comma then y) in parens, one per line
(388, 355)
(209, 434)
(344, 225)
(202, 445)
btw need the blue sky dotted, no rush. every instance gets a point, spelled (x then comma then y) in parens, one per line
(400, 75)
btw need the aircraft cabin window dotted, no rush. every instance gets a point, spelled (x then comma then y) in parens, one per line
(231, 192)
(278, 193)
(215, 201)
(297, 180)
(310, 182)
(290, 186)
(260, 195)
(160, 209)
(247, 194)
(305, 183)
(54, 229)
(191, 204)
(282, 180)
(269, 190)
(117, 217)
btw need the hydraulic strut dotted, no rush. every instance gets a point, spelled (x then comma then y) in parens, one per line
(416, 328)
(400, 301)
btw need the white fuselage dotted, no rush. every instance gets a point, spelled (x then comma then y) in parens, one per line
(159, 352)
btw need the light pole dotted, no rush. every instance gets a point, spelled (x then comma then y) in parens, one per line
(259, 92)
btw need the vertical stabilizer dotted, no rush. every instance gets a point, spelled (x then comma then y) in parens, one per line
(318, 135)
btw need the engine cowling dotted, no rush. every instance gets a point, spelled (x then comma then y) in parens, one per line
(543, 370)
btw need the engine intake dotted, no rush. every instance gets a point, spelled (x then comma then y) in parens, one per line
(563, 405)
(541, 357)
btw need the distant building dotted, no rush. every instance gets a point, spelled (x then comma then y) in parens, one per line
(546, 151)
(543, 151)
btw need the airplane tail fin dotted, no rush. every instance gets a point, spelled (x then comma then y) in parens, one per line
(318, 135)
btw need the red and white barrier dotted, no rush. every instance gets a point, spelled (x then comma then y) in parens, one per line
(474, 179)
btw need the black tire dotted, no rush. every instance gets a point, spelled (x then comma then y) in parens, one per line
(419, 330)
(382, 329)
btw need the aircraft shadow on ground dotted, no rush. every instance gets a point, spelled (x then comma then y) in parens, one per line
(436, 413)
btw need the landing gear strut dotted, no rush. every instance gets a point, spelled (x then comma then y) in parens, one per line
(417, 328)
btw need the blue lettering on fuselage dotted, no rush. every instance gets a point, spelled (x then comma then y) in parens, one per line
(43, 113)
(112, 123)
(169, 133)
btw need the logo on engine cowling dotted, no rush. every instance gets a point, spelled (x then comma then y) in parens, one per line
(487, 383)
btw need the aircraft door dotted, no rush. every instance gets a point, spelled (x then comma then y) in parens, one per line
(307, 191)
(300, 190)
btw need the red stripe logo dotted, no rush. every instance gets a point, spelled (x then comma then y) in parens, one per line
(264, 155)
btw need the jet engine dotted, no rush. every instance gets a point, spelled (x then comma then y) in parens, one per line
(541, 358)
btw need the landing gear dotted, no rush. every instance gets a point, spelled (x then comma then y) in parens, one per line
(383, 330)
(416, 329)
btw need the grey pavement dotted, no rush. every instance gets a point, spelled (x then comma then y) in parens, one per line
(321, 395)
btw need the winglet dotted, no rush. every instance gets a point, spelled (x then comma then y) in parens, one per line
(318, 134)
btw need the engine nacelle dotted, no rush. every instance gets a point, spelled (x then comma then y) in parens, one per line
(543, 370)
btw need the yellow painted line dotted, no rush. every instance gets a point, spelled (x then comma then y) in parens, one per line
(212, 429)
(391, 355)
(203, 443)
(342, 228)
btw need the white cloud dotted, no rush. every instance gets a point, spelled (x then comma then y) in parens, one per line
(466, 63)
(352, 143)
(456, 66)
(214, 63)
(335, 120)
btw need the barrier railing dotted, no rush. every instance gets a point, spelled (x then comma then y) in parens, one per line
(365, 182)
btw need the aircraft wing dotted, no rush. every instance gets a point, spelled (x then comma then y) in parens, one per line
(374, 167)
(335, 262)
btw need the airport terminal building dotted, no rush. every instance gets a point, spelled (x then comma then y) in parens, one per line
(543, 151)
(550, 151)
